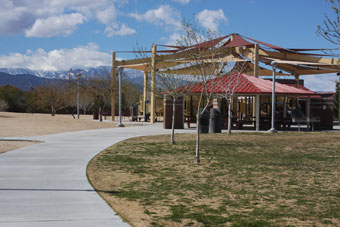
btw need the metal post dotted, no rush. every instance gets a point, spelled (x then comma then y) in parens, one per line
(273, 130)
(78, 95)
(308, 112)
(69, 88)
(120, 72)
(257, 111)
(145, 95)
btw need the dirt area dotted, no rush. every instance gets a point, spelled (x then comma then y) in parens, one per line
(13, 145)
(27, 124)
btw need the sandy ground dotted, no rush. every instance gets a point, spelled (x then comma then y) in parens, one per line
(26, 124)
(13, 145)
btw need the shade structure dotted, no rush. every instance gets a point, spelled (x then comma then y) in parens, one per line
(243, 84)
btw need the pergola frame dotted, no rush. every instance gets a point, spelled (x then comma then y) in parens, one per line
(230, 48)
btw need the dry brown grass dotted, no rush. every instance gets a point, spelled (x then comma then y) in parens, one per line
(244, 180)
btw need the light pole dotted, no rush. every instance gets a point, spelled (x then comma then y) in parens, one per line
(78, 95)
(273, 130)
(120, 72)
(69, 88)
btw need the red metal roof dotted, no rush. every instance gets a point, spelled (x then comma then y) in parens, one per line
(245, 84)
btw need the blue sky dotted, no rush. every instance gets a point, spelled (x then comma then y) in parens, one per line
(60, 34)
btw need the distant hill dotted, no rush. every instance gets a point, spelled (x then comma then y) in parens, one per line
(131, 75)
(25, 81)
(27, 78)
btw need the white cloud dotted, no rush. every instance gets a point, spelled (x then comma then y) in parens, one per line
(58, 59)
(182, 1)
(322, 82)
(210, 19)
(165, 15)
(55, 26)
(18, 16)
(174, 39)
(123, 31)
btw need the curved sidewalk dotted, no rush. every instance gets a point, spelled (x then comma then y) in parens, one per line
(46, 185)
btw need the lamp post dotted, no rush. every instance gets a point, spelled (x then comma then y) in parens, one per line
(69, 88)
(273, 130)
(78, 95)
(120, 72)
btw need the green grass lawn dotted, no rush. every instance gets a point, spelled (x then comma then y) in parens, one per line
(286, 179)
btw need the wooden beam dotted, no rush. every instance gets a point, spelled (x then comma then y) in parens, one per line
(153, 84)
(249, 53)
(256, 60)
(208, 69)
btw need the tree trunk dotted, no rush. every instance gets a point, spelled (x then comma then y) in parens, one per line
(100, 114)
(229, 115)
(173, 120)
(53, 111)
(198, 160)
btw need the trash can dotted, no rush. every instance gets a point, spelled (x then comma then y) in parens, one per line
(204, 122)
(215, 121)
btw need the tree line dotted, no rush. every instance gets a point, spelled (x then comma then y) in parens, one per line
(94, 96)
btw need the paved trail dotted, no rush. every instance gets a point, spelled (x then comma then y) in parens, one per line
(46, 185)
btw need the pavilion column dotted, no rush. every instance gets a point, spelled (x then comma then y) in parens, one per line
(308, 112)
(257, 112)
(145, 94)
(113, 91)
(284, 106)
(256, 73)
(153, 84)
(297, 83)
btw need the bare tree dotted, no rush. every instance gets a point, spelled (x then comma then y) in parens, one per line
(99, 88)
(229, 86)
(174, 85)
(3, 105)
(170, 83)
(202, 53)
(86, 101)
(52, 96)
(330, 28)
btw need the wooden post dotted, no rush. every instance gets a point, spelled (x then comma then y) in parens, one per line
(153, 84)
(113, 93)
(297, 81)
(145, 95)
(256, 60)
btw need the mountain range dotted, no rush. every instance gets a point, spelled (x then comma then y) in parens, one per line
(26, 78)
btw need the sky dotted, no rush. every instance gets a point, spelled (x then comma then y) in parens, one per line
(64, 34)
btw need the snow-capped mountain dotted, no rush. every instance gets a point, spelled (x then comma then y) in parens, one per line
(130, 75)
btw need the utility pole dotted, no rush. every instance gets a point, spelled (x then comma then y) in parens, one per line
(78, 95)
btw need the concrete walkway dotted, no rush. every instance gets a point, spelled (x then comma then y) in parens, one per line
(46, 185)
